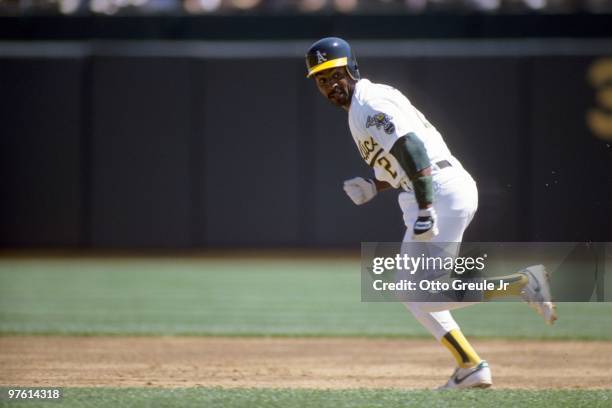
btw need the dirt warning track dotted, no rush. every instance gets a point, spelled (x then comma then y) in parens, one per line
(291, 362)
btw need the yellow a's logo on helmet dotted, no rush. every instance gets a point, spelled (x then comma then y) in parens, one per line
(321, 57)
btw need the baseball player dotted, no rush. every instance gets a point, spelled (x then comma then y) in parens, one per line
(439, 197)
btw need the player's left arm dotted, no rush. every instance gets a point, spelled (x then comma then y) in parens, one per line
(392, 130)
(410, 153)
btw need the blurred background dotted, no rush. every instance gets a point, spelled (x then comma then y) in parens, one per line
(274, 7)
(168, 124)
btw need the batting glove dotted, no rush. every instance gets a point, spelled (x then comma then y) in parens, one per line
(360, 190)
(425, 226)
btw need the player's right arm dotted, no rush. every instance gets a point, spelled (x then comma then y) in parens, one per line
(381, 185)
(361, 190)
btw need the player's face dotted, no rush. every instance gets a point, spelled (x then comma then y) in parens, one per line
(335, 85)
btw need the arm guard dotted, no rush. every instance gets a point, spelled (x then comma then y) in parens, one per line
(423, 190)
(410, 153)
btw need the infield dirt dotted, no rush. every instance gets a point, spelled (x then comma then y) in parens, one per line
(291, 362)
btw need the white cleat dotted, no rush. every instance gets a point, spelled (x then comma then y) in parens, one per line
(537, 292)
(475, 377)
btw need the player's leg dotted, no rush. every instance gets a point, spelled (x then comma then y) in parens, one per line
(455, 207)
(531, 283)
(456, 211)
(442, 325)
(446, 330)
(471, 371)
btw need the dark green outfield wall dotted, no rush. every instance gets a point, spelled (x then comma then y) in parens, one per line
(191, 145)
(250, 26)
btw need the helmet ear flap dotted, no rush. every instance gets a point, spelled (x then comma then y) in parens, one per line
(352, 66)
(353, 71)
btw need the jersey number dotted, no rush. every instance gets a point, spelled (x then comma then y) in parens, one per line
(387, 166)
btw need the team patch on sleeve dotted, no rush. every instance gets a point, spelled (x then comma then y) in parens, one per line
(381, 121)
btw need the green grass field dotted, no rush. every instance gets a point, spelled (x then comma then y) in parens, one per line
(257, 297)
(296, 398)
(303, 297)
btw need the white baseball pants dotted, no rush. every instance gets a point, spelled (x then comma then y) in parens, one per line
(455, 202)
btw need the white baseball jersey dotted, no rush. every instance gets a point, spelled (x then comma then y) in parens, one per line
(378, 116)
